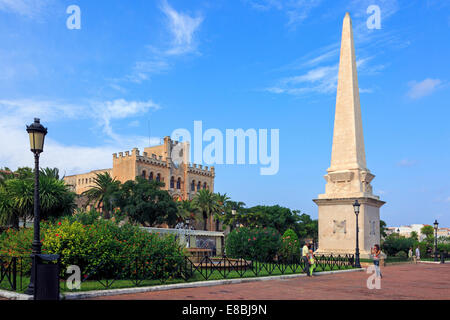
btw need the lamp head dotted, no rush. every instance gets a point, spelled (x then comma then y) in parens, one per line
(36, 132)
(436, 224)
(356, 206)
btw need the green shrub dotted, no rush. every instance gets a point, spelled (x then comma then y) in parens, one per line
(260, 244)
(290, 246)
(102, 249)
(401, 254)
(394, 244)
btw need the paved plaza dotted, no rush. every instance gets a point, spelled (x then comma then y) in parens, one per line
(402, 281)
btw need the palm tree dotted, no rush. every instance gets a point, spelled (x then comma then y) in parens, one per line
(104, 184)
(222, 200)
(206, 202)
(50, 173)
(186, 209)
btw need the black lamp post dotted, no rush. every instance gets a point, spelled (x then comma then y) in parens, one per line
(356, 206)
(233, 213)
(37, 134)
(436, 225)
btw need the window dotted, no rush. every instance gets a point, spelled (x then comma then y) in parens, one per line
(204, 185)
(179, 183)
(158, 177)
(193, 185)
(172, 182)
(150, 177)
(199, 185)
(144, 174)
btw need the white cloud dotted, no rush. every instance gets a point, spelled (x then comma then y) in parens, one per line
(295, 10)
(423, 88)
(28, 8)
(68, 158)
(182, 27)
(107, 111)
(318, 80)
(406, 163)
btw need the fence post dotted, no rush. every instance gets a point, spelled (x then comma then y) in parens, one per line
(14, 273)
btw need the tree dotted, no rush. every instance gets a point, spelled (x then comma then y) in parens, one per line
(17, 198)
(228, 218)
(428, 231)
(383, 226)
(186, 209)
(276, 216)
(50, 173)
(414, 235)
(206, 202)
(144, 202)
(104, 185)
(222, 201)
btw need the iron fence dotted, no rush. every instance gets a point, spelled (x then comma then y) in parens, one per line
(147, 271)
(14, 273)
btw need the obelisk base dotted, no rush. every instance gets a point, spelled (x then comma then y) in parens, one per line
(337, 225)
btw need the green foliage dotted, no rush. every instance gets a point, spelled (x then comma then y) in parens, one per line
(280, 218)
(260, 244)
(144, 202)
(103, 186)
(428, 231)
(414, 235)
(401, 254)
(395, 243)
(290, 246)
(383, 226)
(102, 245)
(17, 197)
(207, 203)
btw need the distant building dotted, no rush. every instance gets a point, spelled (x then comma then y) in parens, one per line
(168, 163)
(407, 230)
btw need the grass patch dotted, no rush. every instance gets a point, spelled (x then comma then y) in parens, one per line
(264, 270)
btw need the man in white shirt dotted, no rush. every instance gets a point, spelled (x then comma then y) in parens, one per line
(417, 256)
(305, 252)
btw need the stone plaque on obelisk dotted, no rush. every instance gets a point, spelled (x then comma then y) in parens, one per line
(348, 178)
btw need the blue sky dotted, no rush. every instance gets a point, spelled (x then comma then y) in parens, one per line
(136, 71)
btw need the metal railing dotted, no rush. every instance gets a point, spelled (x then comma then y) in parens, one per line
(147, 271)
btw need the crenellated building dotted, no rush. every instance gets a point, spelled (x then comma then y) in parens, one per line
(168, 163)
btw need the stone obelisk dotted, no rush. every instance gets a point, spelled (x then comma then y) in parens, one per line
(348, 178)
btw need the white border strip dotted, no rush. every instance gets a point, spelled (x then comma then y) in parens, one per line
(113, 292)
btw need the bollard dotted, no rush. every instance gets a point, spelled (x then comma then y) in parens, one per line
(442, 257)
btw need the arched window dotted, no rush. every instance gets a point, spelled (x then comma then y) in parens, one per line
(199, 185)
(172, 182)
(193, 185)
(144, 174)
(150, 177)
(158, 177)
(204, 185)
(179, 183)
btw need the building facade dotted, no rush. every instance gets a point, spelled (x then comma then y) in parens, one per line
(167, 163)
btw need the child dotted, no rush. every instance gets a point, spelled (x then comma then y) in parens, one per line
(312, 262)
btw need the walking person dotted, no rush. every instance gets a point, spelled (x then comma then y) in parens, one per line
(417, 254)
(312, 262)
(410, 255)
(305, 252)
(376, 253)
